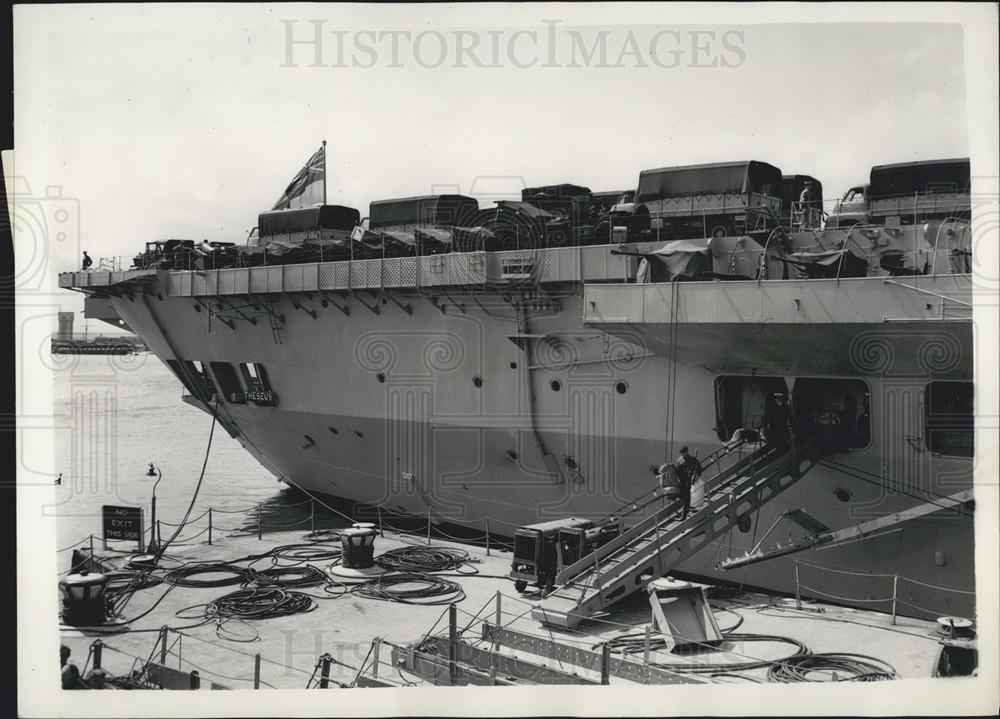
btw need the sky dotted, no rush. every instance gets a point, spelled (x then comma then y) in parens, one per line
(186, 122)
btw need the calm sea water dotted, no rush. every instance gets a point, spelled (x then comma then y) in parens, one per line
(119, 413)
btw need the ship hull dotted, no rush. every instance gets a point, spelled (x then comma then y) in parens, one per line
(499, 412)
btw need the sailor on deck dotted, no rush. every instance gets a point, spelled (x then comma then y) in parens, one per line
(805, 203)
(806, 196)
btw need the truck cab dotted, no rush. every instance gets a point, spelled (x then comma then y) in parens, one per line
(851, 209)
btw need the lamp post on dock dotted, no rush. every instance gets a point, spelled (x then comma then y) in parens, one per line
(153, 471)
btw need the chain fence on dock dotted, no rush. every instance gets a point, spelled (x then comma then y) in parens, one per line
(486, 539)
(257, 522)
(892, 597)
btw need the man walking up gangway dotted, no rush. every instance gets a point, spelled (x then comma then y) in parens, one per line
(666, 537)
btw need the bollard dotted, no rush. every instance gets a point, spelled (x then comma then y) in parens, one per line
(452, 644)
(259, 529)
(163, 645)
(195, 680)
(605, 663)
(209, 526)
(324, 671)
(98, 648)
(487, 536)
(256, 671)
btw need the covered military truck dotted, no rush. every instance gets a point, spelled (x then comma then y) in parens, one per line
(696, 201)
(912, 192)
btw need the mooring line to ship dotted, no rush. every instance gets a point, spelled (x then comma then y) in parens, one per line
(194, 497)
(671, 400)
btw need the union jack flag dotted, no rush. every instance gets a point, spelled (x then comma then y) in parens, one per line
(306, 187)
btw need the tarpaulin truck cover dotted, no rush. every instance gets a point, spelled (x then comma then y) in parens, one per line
(932, 176)
(425, 210)
(328, 217)
(714, 179)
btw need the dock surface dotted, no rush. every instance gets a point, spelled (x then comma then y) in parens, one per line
(344, 625)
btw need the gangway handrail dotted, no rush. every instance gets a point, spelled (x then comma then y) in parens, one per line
(777, 462)
(760, 463)
(651, 495)
(657, 517)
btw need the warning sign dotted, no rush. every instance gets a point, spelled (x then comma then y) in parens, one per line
(123, 523)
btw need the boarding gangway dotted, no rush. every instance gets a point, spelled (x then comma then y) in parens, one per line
(660, 539)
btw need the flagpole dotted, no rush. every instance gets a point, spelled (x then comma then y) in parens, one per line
(324, 172)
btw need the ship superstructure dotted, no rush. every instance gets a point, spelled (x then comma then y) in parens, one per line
(497, 367)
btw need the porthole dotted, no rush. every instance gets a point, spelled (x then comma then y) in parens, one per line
(556, 385)
(842, 494)
(478, 381)
(333, 429)
(324, 302)
(358, 434)
(571, 463)
(513, 365)
(621, 387)
(511, 455)
(380, 377)
(743, 523)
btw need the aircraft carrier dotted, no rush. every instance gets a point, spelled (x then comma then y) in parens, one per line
(538, 359)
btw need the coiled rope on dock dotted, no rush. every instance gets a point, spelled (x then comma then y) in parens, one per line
(410, 588)
(834, 666)
(636, 643)
(284, 577)
(423, 559)
(312, 552)
(259, 603)
(188, 575)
